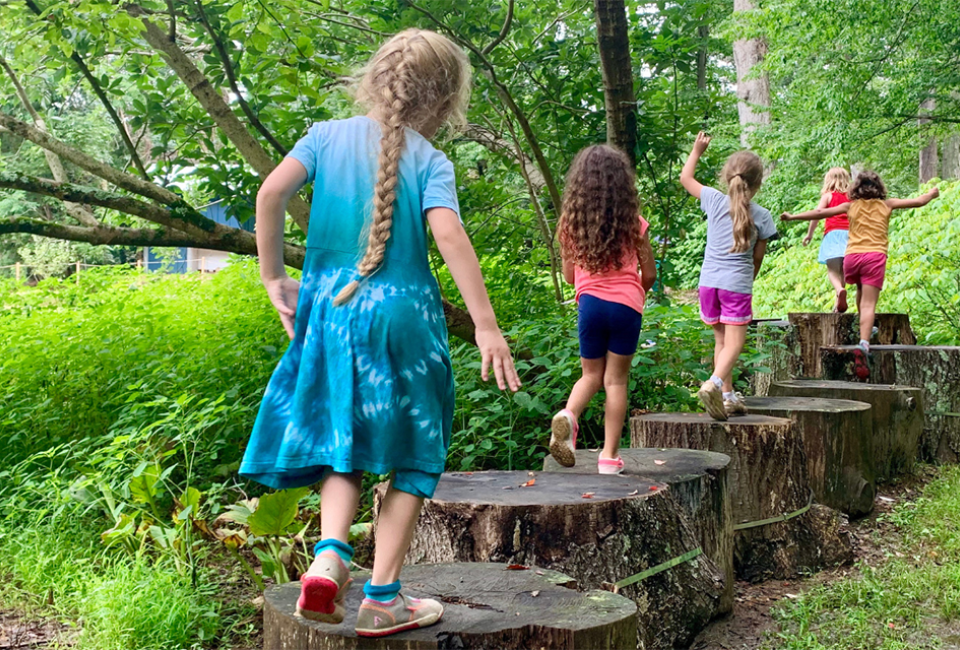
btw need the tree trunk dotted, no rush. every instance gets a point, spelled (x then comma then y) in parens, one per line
(897, 417)
(838, 443)
(698, 482)
(768, 479)
(778, 339)
(617, 65)
(950, 169)
(753, 92)
(935, 370)
(929, 158)
(597, 529)
(486, 606)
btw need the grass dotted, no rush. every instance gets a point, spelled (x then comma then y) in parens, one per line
(910, 601)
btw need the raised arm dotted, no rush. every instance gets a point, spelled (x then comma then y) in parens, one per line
(824, 202)
(690, 183)
(461, 259)
(819, 213)
(919, 202)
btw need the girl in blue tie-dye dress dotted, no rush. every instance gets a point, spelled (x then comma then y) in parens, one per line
(366, 384)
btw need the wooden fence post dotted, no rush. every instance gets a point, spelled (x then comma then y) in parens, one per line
(78, 272)
(18, 272)
(203, 264)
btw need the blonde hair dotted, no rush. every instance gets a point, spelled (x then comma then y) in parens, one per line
(743, 174)
(419, 80)
(837, 179)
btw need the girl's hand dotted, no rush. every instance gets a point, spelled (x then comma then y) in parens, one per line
(701, 143)
(786, 216)
(807, 239)
(935, 192)
(494, 351)
(283, 294)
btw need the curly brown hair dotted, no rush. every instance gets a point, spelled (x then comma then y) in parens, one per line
(867, 185)
(599, 220)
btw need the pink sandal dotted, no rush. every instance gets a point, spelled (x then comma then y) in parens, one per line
(563, 438)
(610, 465)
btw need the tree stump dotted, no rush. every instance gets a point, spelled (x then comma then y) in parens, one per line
(778, 340)
(597, 529)
(768, 480)
(897, 417)
(838, 444)
(485, 606)
(934, 369)
(697, 480)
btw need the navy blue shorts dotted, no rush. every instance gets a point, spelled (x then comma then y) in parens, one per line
(607, 326)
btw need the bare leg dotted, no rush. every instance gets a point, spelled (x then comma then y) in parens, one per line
(587, 386)
(835, 273)
(719, 340)
(859, 295)
(398, 519)
(339, 496)
(867, 305)
(615, 379)
(735, 336)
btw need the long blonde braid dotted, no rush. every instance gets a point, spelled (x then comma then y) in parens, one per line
(415, 78)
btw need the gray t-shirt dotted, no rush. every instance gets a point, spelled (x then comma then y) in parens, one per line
(721, 268)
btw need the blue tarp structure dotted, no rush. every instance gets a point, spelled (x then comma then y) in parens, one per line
(218, 212)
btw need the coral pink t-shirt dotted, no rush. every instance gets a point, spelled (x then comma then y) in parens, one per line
(622, 286)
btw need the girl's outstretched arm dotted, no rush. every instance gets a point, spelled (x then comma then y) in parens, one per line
(461, 259)
(648, 264)
(824, 202)
(277, 190)
(690, 183)
(919, 202)
(817, 214)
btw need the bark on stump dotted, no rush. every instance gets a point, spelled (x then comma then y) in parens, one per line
(597, 529)
(778, 339)
(838, 443)
(934, 369)
(768, 479)
(897, 417)
(486, 606)
(697, 480)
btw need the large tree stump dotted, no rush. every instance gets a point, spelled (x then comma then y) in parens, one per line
(597, 529)
(838, 443)
(768, 479)
(934, 369)
(697, 480)
(485, 606)
(897, 417)
(778, 340)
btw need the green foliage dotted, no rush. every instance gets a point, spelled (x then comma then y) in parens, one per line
(923, 271)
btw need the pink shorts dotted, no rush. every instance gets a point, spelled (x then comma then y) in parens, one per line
(726, 307)
(865, 268)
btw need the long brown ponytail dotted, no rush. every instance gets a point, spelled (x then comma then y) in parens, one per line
(418, 79)
(743, 174)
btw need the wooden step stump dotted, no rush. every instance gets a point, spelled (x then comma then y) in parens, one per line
(838, 444)
(778, 340)
(897, 417)
(485, 606)
(934, 369)
(601, 530)
(697, 480)
(778, 532)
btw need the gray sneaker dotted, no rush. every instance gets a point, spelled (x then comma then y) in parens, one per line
(735, 406)
(399, 615)
(712, 398)
(323, 589)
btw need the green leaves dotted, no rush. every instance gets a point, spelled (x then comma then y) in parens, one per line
(276, 512)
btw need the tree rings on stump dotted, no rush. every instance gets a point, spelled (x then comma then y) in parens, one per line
(934, 369)
(485, 606)
(897, 417)
(697, 480)
(600, 530)
(778, 532)
(838, 443)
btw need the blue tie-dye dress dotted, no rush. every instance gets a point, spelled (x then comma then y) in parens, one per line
(367, 385)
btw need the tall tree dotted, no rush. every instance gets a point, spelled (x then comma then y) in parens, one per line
(930, 153)
(753, 90)
(613, 41)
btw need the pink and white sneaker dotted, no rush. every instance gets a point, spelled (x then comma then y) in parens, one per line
(610, 465)
(563, 438)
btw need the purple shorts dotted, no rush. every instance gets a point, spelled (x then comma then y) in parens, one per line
(865, 268)
(726, 307)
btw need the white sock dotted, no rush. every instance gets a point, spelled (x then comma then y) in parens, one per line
(864, 345)
(730, 397)
(717, 381)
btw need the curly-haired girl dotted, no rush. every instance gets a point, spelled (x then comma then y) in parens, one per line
(836, 182)
(865, 262)
(737, 234)
(603, 241)
(366, 384)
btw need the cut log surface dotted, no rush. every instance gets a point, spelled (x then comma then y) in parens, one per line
(768, 479)
(597, 529)
(697, 480)
(485, 606)
(838, 444)
(934, 369)
(897, 417)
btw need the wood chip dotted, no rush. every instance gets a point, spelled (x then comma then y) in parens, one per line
(535, 593)
(659, 462)
(653, 488)
(634, 493)
(587, 495)
(517, 567)
(529, 483)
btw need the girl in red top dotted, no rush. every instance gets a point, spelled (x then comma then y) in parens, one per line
(835, 234)
(603, 241)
